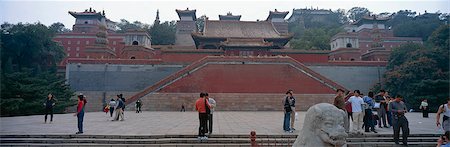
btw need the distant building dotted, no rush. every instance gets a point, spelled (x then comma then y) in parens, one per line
(313, 14)
(185, 26)
(93, 36)
(368, 39)
(230, 16)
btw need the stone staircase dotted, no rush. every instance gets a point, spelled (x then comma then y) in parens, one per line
(371, 140)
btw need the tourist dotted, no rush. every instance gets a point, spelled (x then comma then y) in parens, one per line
(348, 106)
(182, 108)
(443, 141)
(287, 112)
(424, 108)
(398, 109)
(138, 106)
(357, 111)
(212, 103)
(381, 108)
(443, 109)
(340, 104)
(123, 100)
(80, 112)
(368, 117)
(49, 104)
(112, 105)
(119, 109)
(388, 112)
(202, 106)
(292, 102)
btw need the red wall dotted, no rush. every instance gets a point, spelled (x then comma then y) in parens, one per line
(247, 78)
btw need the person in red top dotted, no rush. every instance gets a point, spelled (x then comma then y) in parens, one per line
(80, 112)
(348, 106)
(203, 108)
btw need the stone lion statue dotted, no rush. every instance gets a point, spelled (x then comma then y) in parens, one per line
(323, 126)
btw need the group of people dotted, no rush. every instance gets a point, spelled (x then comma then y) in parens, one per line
(289, 112)
(116, 105)
(205, 107)
(359, 110)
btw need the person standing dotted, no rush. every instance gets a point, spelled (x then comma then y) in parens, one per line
(381, 110)
(443, 109)
(348, 106)
(138, 106)
(80, 112)
(202, 106)
(424, 108)
(339, 102)
(182, 108)
(368, 118)
(123, 101)
(292, 103)
(212, 103)
(119, 109)
(398, 110)
(287, 112)
(388, 112)
(357, 112)
(49, 103)
(112, 105)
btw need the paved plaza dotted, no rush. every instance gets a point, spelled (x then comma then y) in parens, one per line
(178, 123)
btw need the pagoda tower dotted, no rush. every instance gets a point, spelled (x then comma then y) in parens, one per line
(185, 26)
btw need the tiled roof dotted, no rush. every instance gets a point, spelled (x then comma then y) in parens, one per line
(240, 29)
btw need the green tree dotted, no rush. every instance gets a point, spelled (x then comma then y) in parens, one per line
(406, 23)
(417, 71)
(29, 57)
(356, 13)
(125, 25)
(58, 28)
(163, 34)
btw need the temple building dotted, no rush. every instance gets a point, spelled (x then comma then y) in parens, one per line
(368, 39)
(185, 26)
(230, 16)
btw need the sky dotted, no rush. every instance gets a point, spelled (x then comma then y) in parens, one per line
(48, 12)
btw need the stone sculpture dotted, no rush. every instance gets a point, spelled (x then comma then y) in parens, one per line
(323, 127)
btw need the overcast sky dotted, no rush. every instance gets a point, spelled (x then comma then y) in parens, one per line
(48, 12)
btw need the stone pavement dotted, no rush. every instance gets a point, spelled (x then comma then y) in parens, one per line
(178, 123)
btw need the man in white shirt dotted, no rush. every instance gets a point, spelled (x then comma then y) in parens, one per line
(357, 110)
(212, 103)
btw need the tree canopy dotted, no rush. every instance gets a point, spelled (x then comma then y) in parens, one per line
(417, 71)
(161, 33)
(29, 59)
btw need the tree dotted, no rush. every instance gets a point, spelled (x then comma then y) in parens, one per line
(29, 57)
(125, 25)
(58, 28)
(356, 13)
(163, 34)
(406, 23)
(417, 71)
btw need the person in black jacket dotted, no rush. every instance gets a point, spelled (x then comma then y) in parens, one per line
(49, 103)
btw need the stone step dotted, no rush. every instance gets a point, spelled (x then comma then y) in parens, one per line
(189, 136)
(192, 140)
(141, 141)
(390, 144)
(391, 139)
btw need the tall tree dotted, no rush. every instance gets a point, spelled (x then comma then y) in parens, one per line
(58, 27)
(163, 34)
(29, 57)
(125, 25)
(356, 13)
(417, 71)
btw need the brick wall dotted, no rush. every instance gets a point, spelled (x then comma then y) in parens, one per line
(229, 101)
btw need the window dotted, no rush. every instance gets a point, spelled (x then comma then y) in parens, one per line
(77, 55)
(114, 42)
(68, 54)
(78, 48)
(349, 45)
(87, 42)
(367, 45)
(68, 42)
(133, 57)
(135, 43)
(86, 22)
(114, 49)
(68, 48)
(78, 42)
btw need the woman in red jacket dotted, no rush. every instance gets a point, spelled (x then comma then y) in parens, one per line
(80, 112)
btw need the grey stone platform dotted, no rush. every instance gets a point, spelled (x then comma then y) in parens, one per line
(179, 123)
